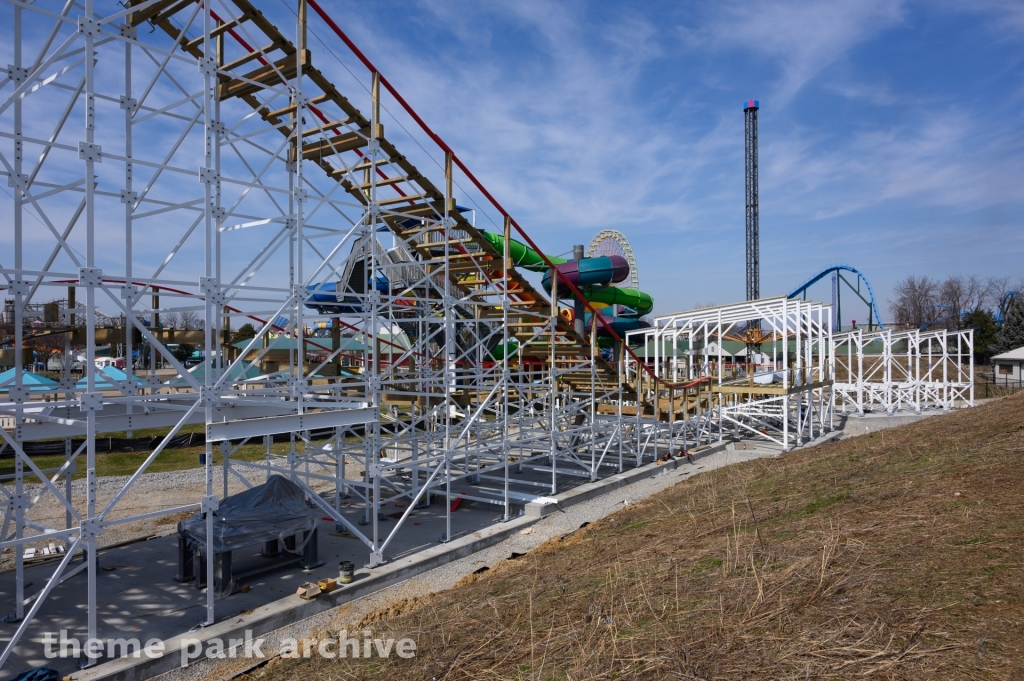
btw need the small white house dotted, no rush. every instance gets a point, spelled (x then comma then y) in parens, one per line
(1008, 366)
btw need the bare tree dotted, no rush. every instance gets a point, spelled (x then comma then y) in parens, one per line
(916, 301)
(170, 320)
(995, 289)
(191, 320)
(958, 296)
(50, 345)
(927, 303)
(1000, 290)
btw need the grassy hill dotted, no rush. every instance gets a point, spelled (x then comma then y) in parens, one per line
(898, 555)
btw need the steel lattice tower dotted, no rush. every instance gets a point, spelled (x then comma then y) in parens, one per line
(753, 231)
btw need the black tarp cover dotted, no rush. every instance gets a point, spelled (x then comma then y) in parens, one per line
(273, 510)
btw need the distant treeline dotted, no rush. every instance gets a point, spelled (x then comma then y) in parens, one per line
(992, 307)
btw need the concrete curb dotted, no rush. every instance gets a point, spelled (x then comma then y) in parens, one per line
(590, 490)
(292, 609)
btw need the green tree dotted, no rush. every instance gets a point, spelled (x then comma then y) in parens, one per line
(1011, 334)
(986, 333)
(245, 332)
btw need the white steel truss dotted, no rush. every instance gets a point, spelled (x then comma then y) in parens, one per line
(167, 157)
(783, 395)
(899, 370)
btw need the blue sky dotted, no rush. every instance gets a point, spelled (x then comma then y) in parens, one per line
(891, 132)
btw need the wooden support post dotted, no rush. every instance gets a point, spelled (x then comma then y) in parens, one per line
(508, 249)
(375, 132)
(671, 417)
(657, 405)
(303, 16)
(220, 49)
(449, 182)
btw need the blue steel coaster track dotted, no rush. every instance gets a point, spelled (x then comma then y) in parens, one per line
(869, 301)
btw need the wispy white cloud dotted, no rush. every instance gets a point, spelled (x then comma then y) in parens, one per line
(554, 128)
(878, 94)
(800, 38)
(948, 158)
(579, 121)
(1002, 16)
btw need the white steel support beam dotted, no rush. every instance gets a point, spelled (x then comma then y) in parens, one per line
(210, 146)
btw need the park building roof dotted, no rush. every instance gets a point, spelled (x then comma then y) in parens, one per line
(1015, 355)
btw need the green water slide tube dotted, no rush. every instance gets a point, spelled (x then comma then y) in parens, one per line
(524, 256)
(639, 301)
(499, 351)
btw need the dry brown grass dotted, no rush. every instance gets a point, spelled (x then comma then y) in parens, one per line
(896, 555)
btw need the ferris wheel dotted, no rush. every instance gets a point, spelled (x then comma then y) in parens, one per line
(614, 242)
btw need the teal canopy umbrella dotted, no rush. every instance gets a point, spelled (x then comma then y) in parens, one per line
(109, 378)
(198, 372)
(34, 382)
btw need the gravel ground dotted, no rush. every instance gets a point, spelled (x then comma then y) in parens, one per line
(151, 492)
(349, 616)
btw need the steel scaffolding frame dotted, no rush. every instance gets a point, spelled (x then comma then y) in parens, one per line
(239, 176)
(788, 400)
(896, 370)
